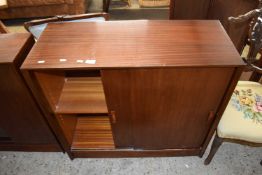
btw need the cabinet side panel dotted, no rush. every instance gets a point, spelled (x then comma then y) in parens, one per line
(51, 84)
(224, 102)
(20, 116)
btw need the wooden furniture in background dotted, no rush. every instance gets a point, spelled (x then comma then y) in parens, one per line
(222, 9)
(242, 120)
(154, 3)
(22, 125)
(106, 4)
(188, 9)
(41, 8)
(36, 27)
(216, 10)
(133, 88)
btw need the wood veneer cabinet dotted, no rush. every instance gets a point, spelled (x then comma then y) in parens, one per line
(22, 125)
(133, 88)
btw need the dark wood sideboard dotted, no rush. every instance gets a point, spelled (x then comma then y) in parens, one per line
(22, 125)
(216, 10)
(133, 88)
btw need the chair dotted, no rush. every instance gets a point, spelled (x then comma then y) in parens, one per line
(36, 27)
(242, 18)
(3, 28)
(242, 120)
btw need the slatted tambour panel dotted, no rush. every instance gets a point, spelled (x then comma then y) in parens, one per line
(93, 133)
(82, 95)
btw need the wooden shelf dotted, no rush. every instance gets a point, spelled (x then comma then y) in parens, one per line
(93, 133)
(82, 95)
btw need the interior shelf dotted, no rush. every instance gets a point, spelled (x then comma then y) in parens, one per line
(82, 95)
(93, 133)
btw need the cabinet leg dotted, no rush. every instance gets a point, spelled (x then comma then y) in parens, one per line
(215, 145)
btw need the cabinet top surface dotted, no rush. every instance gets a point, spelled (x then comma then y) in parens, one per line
(140, 43)
(11, 45)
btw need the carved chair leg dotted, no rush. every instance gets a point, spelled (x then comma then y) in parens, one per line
(215, 145)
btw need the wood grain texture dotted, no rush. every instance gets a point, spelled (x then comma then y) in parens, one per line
(164, 82)
(133, 44)
(20, 117)
(93, 133)
(82, 95)
(222, 9)
(164, 108)
(222, 106)
(47, 110)
(3, 28)
(51, 84)
(189, 9)
(11, 44)
(68, 124)
(216, 10)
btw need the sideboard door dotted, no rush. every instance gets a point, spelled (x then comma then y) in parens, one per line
(163, 108)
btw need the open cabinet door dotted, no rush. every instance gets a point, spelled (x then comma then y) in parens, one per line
(163, 108)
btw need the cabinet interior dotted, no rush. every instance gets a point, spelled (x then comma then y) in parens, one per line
(77, 100)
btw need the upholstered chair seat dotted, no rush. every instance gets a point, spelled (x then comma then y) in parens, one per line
(242, 119)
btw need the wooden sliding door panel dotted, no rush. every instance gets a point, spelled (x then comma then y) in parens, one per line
(163, 108)
(119, 97)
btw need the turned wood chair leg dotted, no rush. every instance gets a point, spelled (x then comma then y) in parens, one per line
(215, 145)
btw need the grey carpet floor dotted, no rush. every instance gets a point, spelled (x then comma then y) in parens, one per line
(231, 159)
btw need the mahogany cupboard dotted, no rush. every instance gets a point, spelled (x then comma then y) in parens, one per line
(133, 88)
(22, 125)
(218, 10)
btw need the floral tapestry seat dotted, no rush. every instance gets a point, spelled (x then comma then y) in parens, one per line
(242, 118)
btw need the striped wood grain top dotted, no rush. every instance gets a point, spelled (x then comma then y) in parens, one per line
(125, 44)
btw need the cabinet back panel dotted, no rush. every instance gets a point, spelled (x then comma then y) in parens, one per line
(164, 108)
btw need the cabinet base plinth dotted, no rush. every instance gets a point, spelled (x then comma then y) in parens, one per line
(121, 153)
